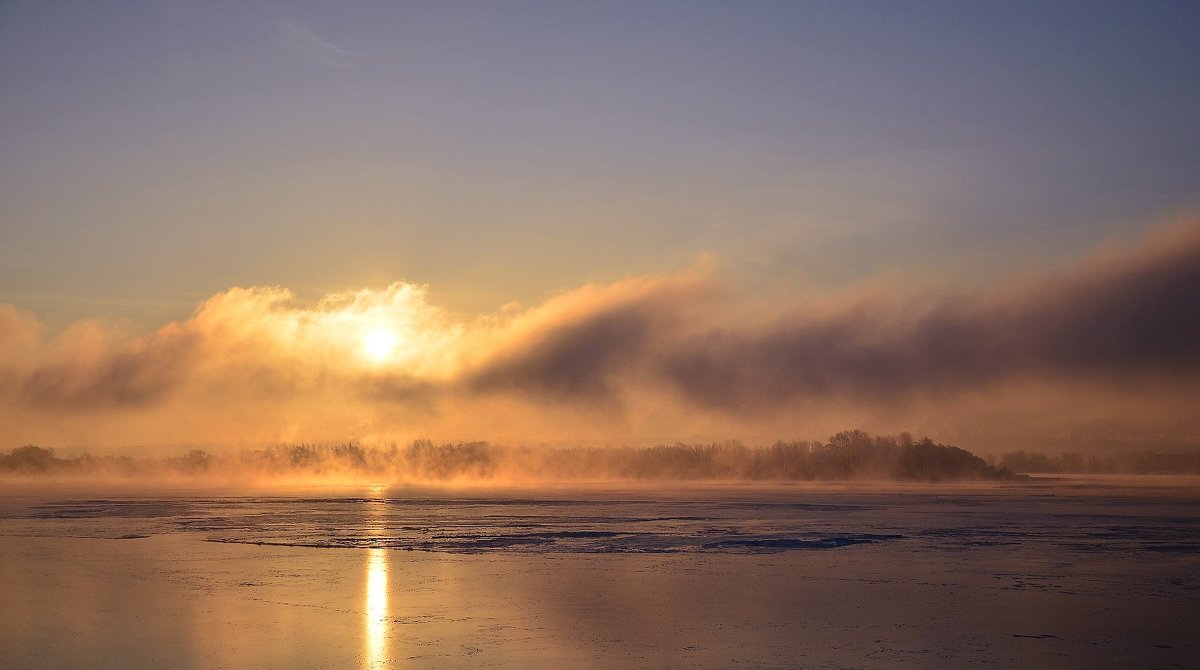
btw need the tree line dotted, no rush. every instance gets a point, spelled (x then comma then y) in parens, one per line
(847, 455)
(1131, 463)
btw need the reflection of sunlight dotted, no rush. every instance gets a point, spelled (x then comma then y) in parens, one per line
(378, 617)
(377, 614)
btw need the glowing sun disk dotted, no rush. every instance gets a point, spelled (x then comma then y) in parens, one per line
(378, 344)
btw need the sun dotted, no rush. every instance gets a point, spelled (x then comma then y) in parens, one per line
(378, 344)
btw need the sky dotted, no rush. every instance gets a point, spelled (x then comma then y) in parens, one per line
(608, 221)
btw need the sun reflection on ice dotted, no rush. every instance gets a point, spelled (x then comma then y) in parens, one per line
(377, 616)
(377, 622)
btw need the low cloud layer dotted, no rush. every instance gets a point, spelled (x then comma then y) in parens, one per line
(1113, 318)
(650, 357)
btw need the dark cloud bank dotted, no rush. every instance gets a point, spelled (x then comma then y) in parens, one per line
(141, 375)
(1110, 318)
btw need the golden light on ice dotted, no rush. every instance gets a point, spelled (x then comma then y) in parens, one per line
(378, 344)
(377, 616)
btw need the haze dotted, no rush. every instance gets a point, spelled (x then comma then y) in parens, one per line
(623, 223)
(613, 335)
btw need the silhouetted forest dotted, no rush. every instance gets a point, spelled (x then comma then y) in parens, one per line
(1129, 463)
(848, 455)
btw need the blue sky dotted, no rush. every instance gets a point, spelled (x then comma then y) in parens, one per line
(156, 153)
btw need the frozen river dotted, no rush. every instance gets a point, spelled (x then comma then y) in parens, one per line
(1070, 573)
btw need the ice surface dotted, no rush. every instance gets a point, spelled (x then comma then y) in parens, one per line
(1049, 574)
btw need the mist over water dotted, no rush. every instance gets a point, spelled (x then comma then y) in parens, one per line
(849, 455)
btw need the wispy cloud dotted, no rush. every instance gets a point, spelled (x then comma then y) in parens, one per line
(299, 38)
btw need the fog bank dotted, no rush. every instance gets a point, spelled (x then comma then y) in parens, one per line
(1108, 345)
